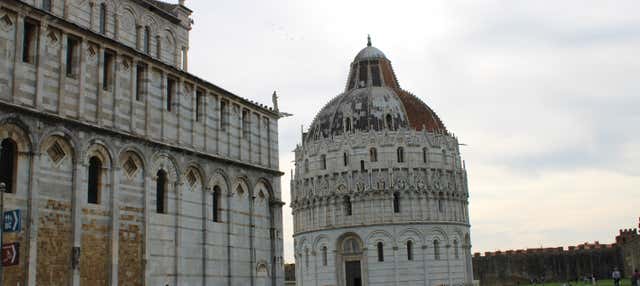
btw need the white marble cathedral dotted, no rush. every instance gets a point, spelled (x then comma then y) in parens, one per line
(126, 168)
(379, 195)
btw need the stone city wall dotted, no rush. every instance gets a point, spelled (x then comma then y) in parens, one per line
(515, 267)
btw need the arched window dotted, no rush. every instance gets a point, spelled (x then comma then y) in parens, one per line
(436, 250)
(171, 91)
(363, 75)
(373, 154)
(440, 203)
(425, 155)
(375, 75)
(347, 205)
(324, 256)
(396, 202)
(347, 124)
(345, 158)
(306, 165)
(9, 165)
(362, 169)
(47, 5)
(161, 190)
(350, 246)
(29, 43)
(103, 18)
(444, 156)
(246, 123)
(400, 155)
(147, 40)
(380, 251)
(456, 253)
(323, 162)
(389, 122)
(216, 204)
(409, 250)
(95, 180)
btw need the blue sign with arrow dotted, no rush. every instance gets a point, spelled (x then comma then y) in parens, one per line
(12, 221)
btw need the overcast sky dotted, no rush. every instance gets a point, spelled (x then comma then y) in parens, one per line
(545, 94)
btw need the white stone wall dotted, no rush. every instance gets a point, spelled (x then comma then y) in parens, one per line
(125, 22)
(430, 183)
(396, 269)
(122, 240)
(43, 85)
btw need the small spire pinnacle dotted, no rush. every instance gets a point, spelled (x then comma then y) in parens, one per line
(368, 40)
(274, 99)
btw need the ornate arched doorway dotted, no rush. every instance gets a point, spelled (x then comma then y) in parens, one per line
(351, 263)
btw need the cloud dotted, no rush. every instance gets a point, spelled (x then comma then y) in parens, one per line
(544, 94)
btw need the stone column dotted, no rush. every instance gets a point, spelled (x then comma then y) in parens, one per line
(325, 211)
(299, 276)
(178, 235)
(219, 126)
(194, 114)
(132, 90)
(259, 127)
(147, 222)
(205, 233)
(272, 127)
(62, 73)
(147, 103)
(178, 103)
(176, 58)
(66, 10)
(165, 98)
(315, 266)
(412, 207)
(228, 222)
(42, 43)
(81, 75)
(116, 26)
(139, 37)
(468, 264)
(116, 172)
(17, 69)
(77, 203)
(205, 123)
(395, 264)
(118, 60)
(99, 84)
(425, 264)
(185, 59)
(91, 16)
(448, 255)
(252, 229)
(372, 206)
(334, 205)
(32, 233)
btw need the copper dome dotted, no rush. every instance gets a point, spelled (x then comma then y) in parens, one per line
(373, 100)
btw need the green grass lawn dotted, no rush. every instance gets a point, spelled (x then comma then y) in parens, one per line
(623, 282)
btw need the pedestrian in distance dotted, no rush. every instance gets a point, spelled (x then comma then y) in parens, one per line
(615, 275)
(635, 278)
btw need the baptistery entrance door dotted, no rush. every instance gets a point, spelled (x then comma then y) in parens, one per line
(351, 266)
(353, 274)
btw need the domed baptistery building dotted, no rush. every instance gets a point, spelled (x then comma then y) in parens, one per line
(379, 195)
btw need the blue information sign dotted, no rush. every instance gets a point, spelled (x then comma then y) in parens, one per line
(12, 221)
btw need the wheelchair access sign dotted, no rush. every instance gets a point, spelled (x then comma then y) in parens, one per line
(12, 221)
